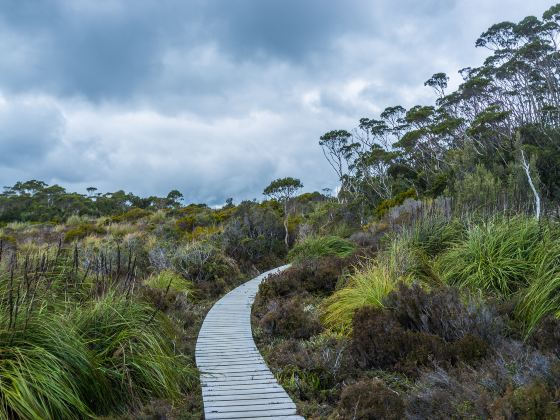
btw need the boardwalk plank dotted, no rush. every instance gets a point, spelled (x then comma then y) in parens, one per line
(236, 383)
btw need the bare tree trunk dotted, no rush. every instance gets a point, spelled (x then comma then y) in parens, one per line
(525, 165)
(287, 236)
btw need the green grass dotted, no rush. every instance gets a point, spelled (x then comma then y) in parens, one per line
(67, 352)
(517, 259)
(322, 246)
(368, 286)
(169, 279)
(497, 256)
(514, 259)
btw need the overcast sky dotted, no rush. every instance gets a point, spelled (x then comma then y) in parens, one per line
(215, 98)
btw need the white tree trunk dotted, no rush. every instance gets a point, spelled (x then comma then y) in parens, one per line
(525, 165)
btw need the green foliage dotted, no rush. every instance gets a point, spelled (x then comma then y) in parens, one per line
(81, 231)
(322, 246)
(368, 286)
(132, 348)
(131, 215)
(496, 256)
(283, 188)
(95, 358)
(169, 280)
(384, 206)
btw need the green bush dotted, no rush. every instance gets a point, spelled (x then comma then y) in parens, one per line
(131, 215)
(82, 231)
(323, 246)
(384, 206)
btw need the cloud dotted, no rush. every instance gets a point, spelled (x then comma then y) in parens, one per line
(215, 98)
(28, 131)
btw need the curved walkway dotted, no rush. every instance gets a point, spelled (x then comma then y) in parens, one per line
(236, 383)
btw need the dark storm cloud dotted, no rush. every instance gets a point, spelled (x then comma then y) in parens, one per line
(214, 97)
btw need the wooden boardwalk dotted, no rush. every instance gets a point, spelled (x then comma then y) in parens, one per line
(236, 383)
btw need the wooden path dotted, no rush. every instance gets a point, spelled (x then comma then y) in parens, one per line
(236, 383)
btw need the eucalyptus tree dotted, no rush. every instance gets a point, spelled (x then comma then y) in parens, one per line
(283, 190)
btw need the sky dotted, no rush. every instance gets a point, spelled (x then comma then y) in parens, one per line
(215, 98)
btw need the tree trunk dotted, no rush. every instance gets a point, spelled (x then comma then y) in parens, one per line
(525, 165)
(287, 236)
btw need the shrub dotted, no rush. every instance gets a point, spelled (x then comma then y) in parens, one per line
(313, 370)
(442, 312)
(82, 231)
(441, 395)
(206, 266)
(318, 277)
(383, 208)
(379, 341)
(515, 382)
(316, 247)
(546, 336)
(131, 215)
(366, 287)
(370, 399)
(289, 319)
(533, 401)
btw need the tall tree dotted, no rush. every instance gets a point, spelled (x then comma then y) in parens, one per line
(282, 190)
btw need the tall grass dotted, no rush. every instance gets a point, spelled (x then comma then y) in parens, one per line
(368, 286)
(321, 246)
(542, 296)
(497, 256)
(169, 280)
(516, 258)
(70, 349)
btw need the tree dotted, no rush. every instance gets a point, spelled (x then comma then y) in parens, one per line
(174, 198)
(282, 190)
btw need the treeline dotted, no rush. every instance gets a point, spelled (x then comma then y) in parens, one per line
(486, 143)
(37, 201)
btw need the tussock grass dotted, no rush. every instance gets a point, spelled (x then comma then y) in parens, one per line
(516, 258)
(169, 279)
(72, 350)
(496, 256)
(322, 246)
(368, 286)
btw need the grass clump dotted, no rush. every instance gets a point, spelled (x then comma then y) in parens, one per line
(73, 361)
(497, 256)
(81, 231)
(169, 280)
(368, 286)
(132, 348)
(322, 246)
